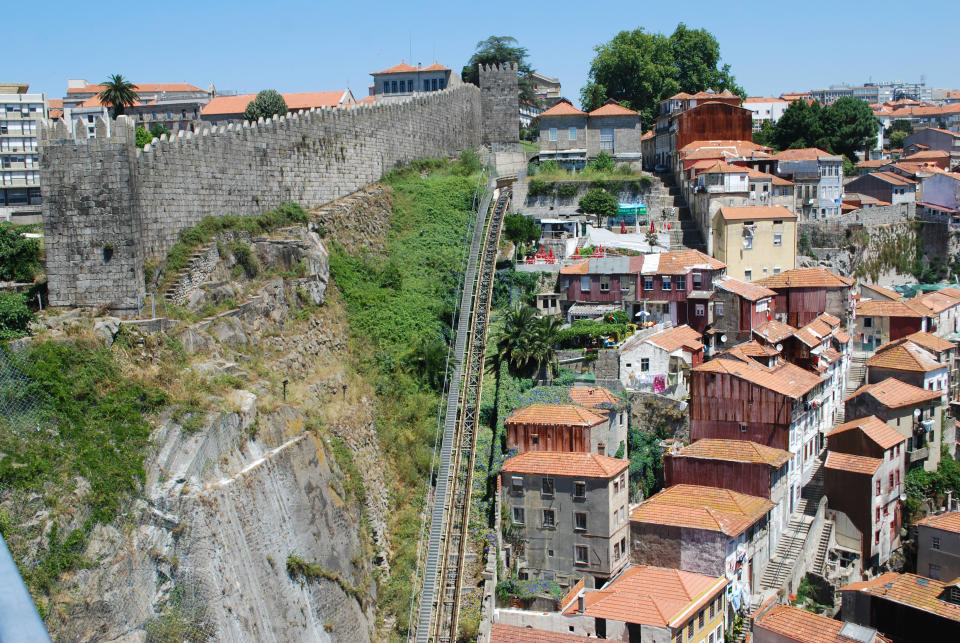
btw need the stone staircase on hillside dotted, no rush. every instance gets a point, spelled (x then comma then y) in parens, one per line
(684, 232)
(821, 558)
(785, 557)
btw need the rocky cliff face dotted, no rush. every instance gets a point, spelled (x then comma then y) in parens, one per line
(252, 524)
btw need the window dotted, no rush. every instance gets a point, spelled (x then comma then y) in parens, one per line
(743, 428)
(690, 629)
(648, 283)
(748, 275)
(572, 133)
(665, 282)
(516, 485)
(553, 133)
(585, 284)
(876, 537)
(713, 609)
(549, 518)
(604, 283)
(934, 572)
(898, 477)
(747, 242)
(700, 618)
(580, 490)
(606, 139)
(644, 364)
(616, 551)
(403, 86)
(626, 283)
(681, 282)
(878, 487)
(580, 520)
(546, 486)
(777, 239)
(776, 270)
(891, 480)
(935, 543)
(580, 554)
(700, 310)
(616, 486)
(718, 308)
(868, 322)
(601, 449)
(534, 439)
(518, 515)
(877, 518)
(763, 305)
(697, 281)
(623, 546)
(393, 86)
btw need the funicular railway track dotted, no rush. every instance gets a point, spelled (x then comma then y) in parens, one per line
(447, 546)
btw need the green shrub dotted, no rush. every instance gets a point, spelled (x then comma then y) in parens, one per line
(519, 228)
(603, 163)
(244, 257)
(599, 202)
(617, 317)
(468, 164)
(567, 190)
(585, 332)
(540, 188)
(15, 316)
(159, 130)
(19, 256)
(267, 103)
(143, 136)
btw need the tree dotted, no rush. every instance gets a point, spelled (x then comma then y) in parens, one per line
(118, 93)
(143, 136)
(19, 256)
(592, 96)
(267, 103)
(849, 126)
(599, 202)
(526, 341)
(896, 138)
(799, 126)
(15, 317)
(899, 125)
(497, 50)
(641, 69)
(159, 130)
(520, 228)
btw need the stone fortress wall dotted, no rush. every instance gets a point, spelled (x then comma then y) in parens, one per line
(108, 207)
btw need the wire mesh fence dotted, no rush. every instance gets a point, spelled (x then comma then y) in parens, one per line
(23, 405)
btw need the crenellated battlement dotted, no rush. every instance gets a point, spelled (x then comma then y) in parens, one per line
(108, 207)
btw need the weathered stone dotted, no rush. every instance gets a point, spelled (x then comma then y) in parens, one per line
(194, 341)
(106, 329)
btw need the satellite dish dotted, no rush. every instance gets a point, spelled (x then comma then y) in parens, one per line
(723, 339)
(916, 413)
(779, 347)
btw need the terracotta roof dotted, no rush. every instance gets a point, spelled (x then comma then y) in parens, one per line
(786, 379)
(648, 135)
(501, 633)
(797, 624)
(884, 435)
(435, 67)
(579, 268)
(655, 596)
(905, 356)
(886, 292)
(874, 163)
(401, 68)
(580, 465)
(680, 262)
(747, 290)
(593, 397)
(763, 99)
(852, 463)
(555, 415)
(802, 154)
(722, 167)
(677, 337)
(893, 178)
(927, 155)
(699, 507)
(735, 451)
(937, 301)
(751, 349)
(878, 308)
(819, 329)
(841, 336)
(774, 331)
(224, 105)
(757, 212)
(952, 292)
(910, 590)
(894, 394)
(563, 108)
(927, 340)
(946, 521)
(739, 146)
(831, 355)
(572, 594)
(94, 101)
(146, 88)
(806, 278)
(54, 103)
(613, 109)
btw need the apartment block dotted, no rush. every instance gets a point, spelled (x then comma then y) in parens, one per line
(20, 114)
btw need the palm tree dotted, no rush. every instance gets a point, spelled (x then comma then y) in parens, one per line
(119, 93)
(527, 341)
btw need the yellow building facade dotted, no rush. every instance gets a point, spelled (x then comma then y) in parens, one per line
(755, 242)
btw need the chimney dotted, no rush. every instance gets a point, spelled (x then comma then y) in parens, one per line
(419, 65)
(580, 604)
(949, 499)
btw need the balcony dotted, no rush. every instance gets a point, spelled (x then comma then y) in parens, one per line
(917, 455)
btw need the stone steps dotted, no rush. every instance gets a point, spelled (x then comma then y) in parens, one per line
(191, 264)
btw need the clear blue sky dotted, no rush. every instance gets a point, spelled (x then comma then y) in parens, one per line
(772, 46)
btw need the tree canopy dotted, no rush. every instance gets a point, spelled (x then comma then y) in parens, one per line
(599, 202)
(119, 93)
(846, 127)
(267, 103)
(497, 50)
(640, 69)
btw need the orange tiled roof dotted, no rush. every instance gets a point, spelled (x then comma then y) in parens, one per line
(593, 397)
(613, 109)
(806, 278)
(929, 341)
(952, 292)
(656, 596)
(580, 465)
(501, 633)
(797, 624)
(563, 108)
(757, 212)
(572, 594)
(905, 356)
(748, 290)
(874, 163)
(401, 68)
(774, 331)
(722, 167)
(786, 379)
(751, 349)
(698, 507)
(927, 155)
(895, 394)
(679, 262)
(947, 521)
(738, 146)
(852, 463)
(677, 337)
(146, 88)
(892, 177)
(884, 435)
(802, 154)
(224, 105)
(841, 336)
(878, 308)
(647, 135)
(910, 590)
(735, 451)
(555, 415)
(579, 268)
(763, 99)
(938, 301)
(435, 67)
(886, 292)
(55, 103)
(819, 329)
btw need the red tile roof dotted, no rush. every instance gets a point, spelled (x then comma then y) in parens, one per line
(893, 178)
(878, 308)
(501, 633)
(563, 108)
(799, 625)
(555, 415)
(802, 154)
(401, 68)
(881, 433)
(929, 341)
(228, 105)
(758, 212)
(594, 397)
(937, 301)
(928, 155)
(698, 507)
(774, 331)
(763, 99)
(894, 394)
(579, 465)
(748, 290)
(786, 379)
(946, 521)
(852, 463)
(905, 356)
(579, 268)
(680, 262)
(818, 330)
(910, 590)
(613, 109)
(735, 451)
(655, 596)
(677, 337)
(893, 295)
(806, 278)
(146, 88)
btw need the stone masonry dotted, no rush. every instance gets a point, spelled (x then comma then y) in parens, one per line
(108, 207)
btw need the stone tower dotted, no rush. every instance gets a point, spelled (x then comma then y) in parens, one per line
(499, 104)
